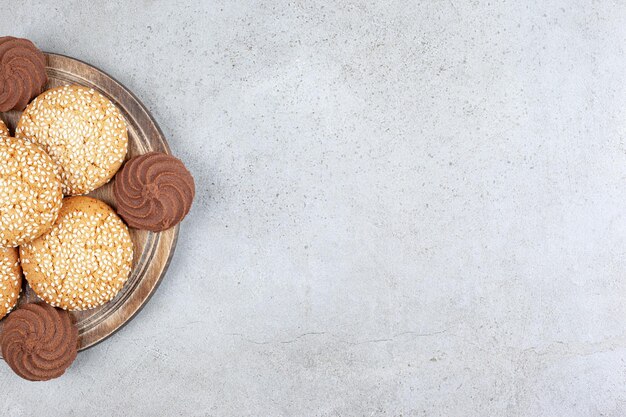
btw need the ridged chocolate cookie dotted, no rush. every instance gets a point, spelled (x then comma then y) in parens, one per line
(39, 342)
(22, 72)
(153, 191)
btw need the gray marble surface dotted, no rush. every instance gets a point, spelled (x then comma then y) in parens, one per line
(405, 208)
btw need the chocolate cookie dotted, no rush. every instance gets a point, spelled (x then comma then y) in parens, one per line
(22, 72)
(30, 192)
(153, 191)
(83, 260)
(39, 342)
(83, 132)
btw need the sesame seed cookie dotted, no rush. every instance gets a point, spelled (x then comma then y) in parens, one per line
(84, 260)
(4, 130)
(10, 280)
(84, 133)
(30, 192)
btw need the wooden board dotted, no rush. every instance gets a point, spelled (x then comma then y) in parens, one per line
(153, 251)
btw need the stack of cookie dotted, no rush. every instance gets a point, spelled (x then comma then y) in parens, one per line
(74, 251)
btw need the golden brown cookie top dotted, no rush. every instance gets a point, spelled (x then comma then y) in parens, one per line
(84, 260)
(4, 130)
(10, 279)
(83, 131)
(39, 342)
(30, 192)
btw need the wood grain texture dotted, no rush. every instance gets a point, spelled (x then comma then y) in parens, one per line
(153, 251)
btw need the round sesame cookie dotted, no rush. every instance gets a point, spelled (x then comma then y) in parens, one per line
(10, 280)
(30, 192)
(84, 260)
(84, 133)
(4, 130)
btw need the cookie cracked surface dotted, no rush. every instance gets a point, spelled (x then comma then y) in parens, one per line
(30, 192)
(10, 280)
(83, 132)
(84, 260)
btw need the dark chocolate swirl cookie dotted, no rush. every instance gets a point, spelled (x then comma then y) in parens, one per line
(153, 191)
(39, 342)
(22, 72)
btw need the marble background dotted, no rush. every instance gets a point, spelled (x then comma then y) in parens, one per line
(404, 208)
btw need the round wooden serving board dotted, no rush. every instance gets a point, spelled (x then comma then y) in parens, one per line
(152, 251)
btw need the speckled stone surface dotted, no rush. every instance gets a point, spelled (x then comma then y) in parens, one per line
(404, 208)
